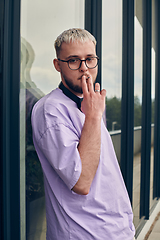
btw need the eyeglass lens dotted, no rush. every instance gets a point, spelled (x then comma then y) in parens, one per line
(76, 63)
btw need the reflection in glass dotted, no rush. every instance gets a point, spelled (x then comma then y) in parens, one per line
(152, 128)
(39, 28)
(111, 67)
(137, 111)
(34, 177)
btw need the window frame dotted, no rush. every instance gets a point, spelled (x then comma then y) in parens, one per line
(127, 109)
(93, 23)
(146, 110)
(10, 226)
(156, 180)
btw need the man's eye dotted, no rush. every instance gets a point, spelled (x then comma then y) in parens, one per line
(90, 59)
(74, 60)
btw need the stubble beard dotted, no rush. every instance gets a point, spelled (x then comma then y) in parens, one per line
(72, 86)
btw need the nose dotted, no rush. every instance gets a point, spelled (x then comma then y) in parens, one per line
(83, 66)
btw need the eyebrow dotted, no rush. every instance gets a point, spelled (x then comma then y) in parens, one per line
(76, 56)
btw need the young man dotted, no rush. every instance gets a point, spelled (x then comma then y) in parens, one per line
(85, 194)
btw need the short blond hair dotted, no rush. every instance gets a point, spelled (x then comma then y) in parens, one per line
(71, 35)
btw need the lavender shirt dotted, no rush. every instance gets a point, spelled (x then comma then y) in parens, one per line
(105, 213)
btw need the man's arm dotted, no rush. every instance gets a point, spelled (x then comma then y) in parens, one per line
(89, 147)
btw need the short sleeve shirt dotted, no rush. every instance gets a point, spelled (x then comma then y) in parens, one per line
(105, 213)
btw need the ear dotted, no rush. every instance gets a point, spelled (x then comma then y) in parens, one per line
(56, 65)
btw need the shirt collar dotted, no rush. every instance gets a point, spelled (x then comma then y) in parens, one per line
(72, 96)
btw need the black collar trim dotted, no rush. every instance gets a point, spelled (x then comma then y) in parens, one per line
(72, 96)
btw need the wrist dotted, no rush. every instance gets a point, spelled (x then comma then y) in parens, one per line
(93, 118)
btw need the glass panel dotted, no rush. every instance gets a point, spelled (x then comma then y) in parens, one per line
(112, 66)
(152, 128)
(153, 105)
(137, 110)
(41, 23)
(22, 155)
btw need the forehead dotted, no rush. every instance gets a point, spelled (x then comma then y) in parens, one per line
(78, 48)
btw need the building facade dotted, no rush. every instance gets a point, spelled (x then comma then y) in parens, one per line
(128, 45)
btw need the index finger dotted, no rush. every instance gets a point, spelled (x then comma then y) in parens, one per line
(84, 85)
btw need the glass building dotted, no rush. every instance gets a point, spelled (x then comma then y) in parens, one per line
(128, 36)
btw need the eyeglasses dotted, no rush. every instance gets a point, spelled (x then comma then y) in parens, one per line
(75, 63)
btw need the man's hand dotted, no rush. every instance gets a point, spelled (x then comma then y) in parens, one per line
(89, 147)
(93, 103)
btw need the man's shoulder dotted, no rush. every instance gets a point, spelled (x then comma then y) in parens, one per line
(50, 101)
(55, 110)
(57, 102)
(55, 106)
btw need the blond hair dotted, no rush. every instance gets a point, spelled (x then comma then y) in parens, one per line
(71, 35)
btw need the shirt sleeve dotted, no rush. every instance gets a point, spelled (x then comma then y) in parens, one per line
(59, 147)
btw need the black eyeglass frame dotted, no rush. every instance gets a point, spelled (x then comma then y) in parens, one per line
(80, 62)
